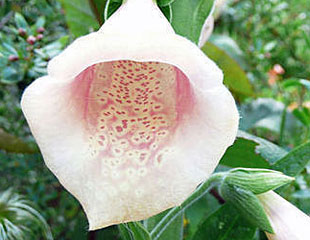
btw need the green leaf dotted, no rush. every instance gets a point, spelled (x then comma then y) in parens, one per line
(21, 21)
(40, 22)
(9, 48)
(224, 224)
(266, 113)
(303, 115)
(125, 232)
(234, 77)
(173, 231)
(18, 217)
(199, 212)
(228, 45)
(164, 3)
(12, 144)
(11, 75)
(97, 7)
(295, 161)
(110, 7)
(53, 48)
(79, 17)
(134, 230)
(189, 17)
(250, 151)
(247, 204)
(296, 83)
(302, 194)
(173, 213)
(167, 11)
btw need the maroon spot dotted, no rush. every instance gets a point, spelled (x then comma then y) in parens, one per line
(159, 158)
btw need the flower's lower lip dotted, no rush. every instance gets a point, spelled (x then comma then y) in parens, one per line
(131, 111)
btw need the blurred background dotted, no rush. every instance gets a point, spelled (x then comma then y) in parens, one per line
(262, 46)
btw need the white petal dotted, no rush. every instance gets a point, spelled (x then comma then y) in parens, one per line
(136, 17)
(288, 222)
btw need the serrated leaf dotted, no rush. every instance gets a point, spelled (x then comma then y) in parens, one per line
(79, 17)
(295, 161)
(234, 76)
(224, 224)
(253, 152)
(250, 151)
(189, 17)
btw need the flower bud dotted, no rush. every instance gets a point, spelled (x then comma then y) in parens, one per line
(248, 205)
(240, 187)
(278, 69)
(22, 32)
(288, 222)
(39, 37)
(13, 58)
(31, 40)
(40, 30)
(257, 180)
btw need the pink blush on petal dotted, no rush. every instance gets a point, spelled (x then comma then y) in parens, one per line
(131, 110)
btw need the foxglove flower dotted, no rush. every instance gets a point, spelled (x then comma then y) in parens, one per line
(287, 221)
(131, 118)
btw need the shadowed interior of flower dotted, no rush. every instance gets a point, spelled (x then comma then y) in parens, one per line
(131, 110)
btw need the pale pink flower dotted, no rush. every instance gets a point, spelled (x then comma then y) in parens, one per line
(131, 118)
(287, 221)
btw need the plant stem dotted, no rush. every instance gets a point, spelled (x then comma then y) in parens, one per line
(214, 180)
(282, 127)
(95, 11)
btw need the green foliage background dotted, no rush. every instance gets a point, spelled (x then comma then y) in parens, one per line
(250, 38)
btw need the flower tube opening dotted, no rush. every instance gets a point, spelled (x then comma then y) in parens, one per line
(131, 111)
